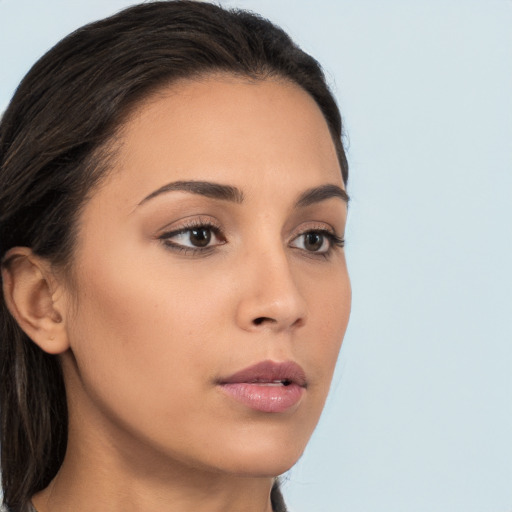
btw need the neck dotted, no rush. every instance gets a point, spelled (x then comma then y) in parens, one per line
(107, 468)
(92, 480)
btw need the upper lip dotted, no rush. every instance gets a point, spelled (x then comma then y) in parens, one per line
(288, 372)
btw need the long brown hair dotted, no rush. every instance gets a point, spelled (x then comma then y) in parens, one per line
(54, 147)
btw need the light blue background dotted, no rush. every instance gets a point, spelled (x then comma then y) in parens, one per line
(420, 414)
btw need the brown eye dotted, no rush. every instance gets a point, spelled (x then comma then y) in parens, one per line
(313, 241)
(319, 241)
(200, 237)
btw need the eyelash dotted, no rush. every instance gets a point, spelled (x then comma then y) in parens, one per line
(333, 240)
(188, 228)
(334, 243)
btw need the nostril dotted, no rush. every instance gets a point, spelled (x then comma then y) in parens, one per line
(262, 319)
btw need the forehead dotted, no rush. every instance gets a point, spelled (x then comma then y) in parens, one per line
(227, 129)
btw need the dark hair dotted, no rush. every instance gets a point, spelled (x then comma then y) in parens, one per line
(55, 144)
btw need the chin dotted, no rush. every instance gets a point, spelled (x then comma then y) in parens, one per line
(274, 466)
(259, 446)
(271, 465)
(267, 457)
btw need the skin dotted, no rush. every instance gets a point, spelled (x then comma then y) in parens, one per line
(148, 329)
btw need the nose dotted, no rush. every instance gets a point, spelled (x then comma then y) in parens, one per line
(269, 298)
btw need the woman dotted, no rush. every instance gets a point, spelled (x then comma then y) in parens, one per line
(175, 290)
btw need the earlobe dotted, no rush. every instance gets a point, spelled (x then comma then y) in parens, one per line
(30, 295)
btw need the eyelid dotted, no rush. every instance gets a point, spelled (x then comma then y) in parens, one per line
(190, 222)
(187, 225)
(307, 227)
(335, 241)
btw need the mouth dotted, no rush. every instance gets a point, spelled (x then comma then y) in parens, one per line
(267, 386)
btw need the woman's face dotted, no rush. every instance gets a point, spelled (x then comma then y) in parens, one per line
(212, 247)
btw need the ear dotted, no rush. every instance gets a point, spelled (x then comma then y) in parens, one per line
(34, 299)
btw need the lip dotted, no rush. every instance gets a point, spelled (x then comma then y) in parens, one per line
(268, 386)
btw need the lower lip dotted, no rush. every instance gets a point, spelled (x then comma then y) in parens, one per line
(265, 397)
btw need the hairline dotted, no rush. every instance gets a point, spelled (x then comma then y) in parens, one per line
(105, 158)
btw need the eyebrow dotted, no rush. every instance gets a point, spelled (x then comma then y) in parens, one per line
(235, 195)
(319, 194)
(203, 188)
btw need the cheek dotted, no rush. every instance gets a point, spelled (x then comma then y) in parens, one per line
(140, 336)
(329, 310)
(150, 334)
